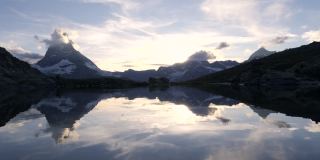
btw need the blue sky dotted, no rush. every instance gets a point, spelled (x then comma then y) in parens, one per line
(144, 34)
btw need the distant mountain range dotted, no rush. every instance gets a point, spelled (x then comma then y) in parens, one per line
(297, 66)
(179, 71)
(67, 65)
(65, 61)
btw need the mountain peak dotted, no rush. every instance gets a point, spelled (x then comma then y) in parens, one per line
(260, 53)
(62, 48)
(64, 60)
(262, 48)
(315, 43)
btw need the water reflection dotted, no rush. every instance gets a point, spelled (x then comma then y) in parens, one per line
(177, 123)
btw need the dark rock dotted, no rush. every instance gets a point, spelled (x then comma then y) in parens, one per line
(16, 74)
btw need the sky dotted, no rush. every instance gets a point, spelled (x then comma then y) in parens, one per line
(145, 34)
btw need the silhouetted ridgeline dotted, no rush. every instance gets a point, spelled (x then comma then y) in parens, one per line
(16, 74)
(290, 67)
(298, 102)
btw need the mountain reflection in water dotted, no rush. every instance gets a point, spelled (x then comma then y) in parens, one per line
(176, 123)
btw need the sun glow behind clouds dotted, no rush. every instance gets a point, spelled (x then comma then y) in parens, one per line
(143, 52)
(146, 111)
(143, 33)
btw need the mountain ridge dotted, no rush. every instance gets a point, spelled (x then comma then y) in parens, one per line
(289, 67)
(15, 73)
(179, 71)
(65, 61)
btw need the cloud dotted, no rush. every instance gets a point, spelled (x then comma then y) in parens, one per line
(159, 64)
(260, 19)
(21, 53)
(57, 37)
(27, 57)
(223, 45)
(280, 39)
(36, 37)
(60, 36)
(126, 5)
(202, 56)
(313, 35)
(231, 10)
(128, 65)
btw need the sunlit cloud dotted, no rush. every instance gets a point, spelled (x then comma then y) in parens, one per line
(313, 35)
(161, 31)
(125, 37)
(223, 45)
(126, 5)
(202, 56)
(260, 19)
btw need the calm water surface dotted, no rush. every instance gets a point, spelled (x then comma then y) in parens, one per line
(177, 123)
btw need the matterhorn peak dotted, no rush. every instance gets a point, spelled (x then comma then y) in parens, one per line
(64, 60)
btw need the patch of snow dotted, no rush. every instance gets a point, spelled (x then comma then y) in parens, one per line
(213, 69)
(91, 66)
(92, 104)
(62, 104)
(212, 98)
(63, 67)
(107, 74)
(177, 74)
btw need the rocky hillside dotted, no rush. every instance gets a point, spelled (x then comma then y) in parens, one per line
(15, 73)
(289, 67)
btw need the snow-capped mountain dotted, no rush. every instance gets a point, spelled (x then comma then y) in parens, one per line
(64, 60)
(194, 69)
(179, 71)
(260, 53)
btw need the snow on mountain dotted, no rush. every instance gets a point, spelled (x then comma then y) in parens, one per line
(62, 67)
(63, 60)
(91, 65)
(260, 53)
(197, 69)
(62, 104)
(180, 71)
(197, 65)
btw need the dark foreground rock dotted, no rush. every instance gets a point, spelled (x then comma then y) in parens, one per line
(297, 66)
(18, 75)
